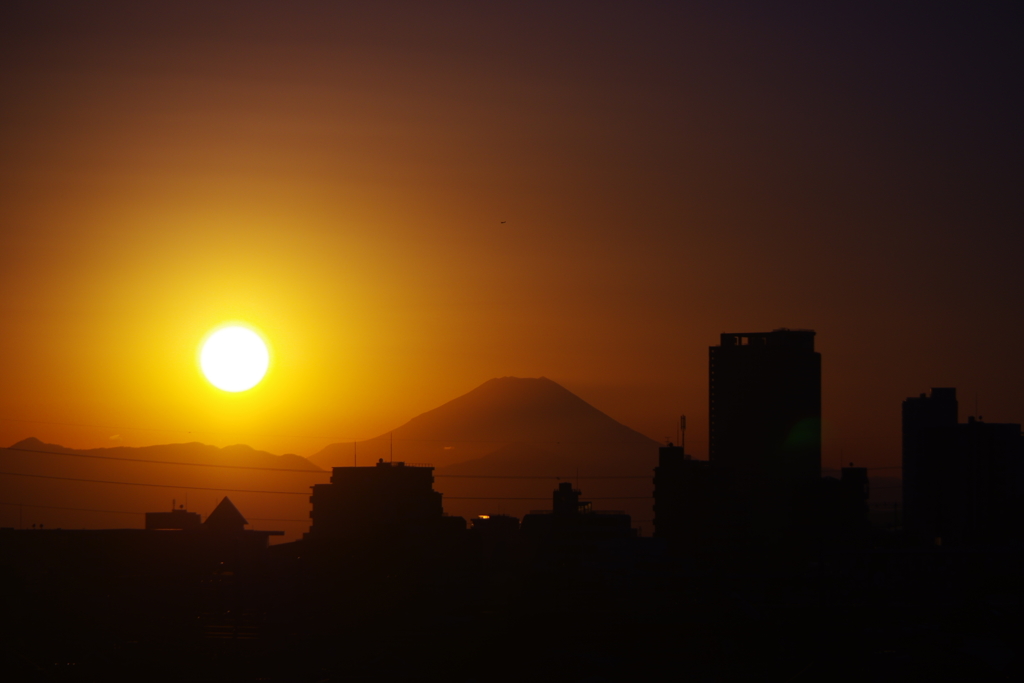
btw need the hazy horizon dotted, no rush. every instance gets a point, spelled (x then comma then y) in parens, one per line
(408, 202)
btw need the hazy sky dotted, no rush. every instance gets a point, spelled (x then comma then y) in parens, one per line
(337, 176)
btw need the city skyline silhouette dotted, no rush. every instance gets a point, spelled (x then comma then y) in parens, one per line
(511, 341)
(507, 441)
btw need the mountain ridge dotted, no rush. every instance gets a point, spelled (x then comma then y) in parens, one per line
(500, 447)
(53, 485)
(502, 410)
(193, 452)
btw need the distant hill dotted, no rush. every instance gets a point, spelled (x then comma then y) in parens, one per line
(194, 452)
(502, 411)
(502, 447)
(191, 473)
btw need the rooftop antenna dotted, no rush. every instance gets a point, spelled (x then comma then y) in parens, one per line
(682, 432)
(392, 446)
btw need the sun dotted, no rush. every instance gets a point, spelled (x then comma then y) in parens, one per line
(234, 358)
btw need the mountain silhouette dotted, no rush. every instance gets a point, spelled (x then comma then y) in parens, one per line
(485, 442)
(506, 427)
(187, 474)
(502, 411)
(238, 455)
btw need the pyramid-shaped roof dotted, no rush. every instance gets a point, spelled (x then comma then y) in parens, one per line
(226, 516)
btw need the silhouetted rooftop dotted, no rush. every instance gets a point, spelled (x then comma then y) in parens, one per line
(225, 516)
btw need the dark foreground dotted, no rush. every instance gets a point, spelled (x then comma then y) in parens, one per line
(633, 612)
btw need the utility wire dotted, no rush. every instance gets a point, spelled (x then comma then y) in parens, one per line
(169, 462)
(126, 512)
(311, 471)
(275, 519)
(325, 472)
(173, 431)
(288, 493)
(54, 507)
(547, 477)
(546, 498)
(162, 486)
(300, 471)
(332, 439)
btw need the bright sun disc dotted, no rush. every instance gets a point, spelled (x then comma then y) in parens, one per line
(234, 359)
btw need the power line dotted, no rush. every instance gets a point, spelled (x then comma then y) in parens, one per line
(508, 441)
(54, 507)
(163, 486)
(301, 471)
(171, 430)
(337, 440)
(288, 493)
(275, 519)
(169, 462)
(324, 472)
(126, 512)
(333, 439)
(546, 477)
(546, 498)
(312, 471)
(318, 471)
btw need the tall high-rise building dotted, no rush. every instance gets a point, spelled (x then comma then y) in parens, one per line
(765, 406)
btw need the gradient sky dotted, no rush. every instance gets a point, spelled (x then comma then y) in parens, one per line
(337, 176)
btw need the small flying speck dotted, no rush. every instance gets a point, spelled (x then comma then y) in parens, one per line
(503, 222)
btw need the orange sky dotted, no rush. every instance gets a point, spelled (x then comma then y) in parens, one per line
(338, 177)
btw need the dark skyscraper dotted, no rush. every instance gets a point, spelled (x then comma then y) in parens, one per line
(765, 405)
(929, 451)
(963, 484)
(990, 473)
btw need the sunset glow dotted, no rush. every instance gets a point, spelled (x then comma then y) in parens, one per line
(234, 359)
(511, 340)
